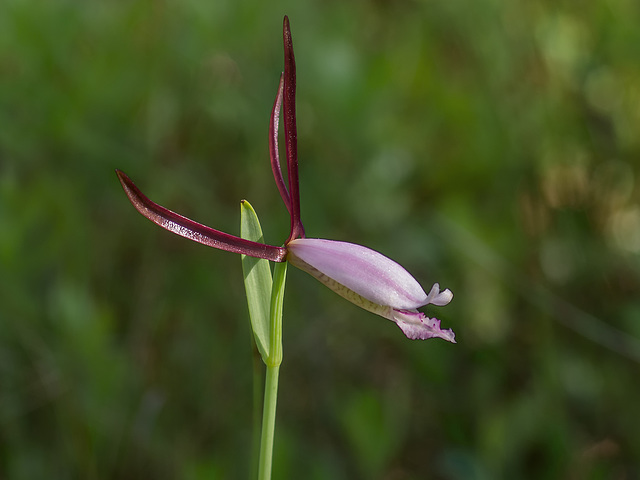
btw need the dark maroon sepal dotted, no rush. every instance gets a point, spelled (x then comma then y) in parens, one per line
(195, 231)
(290, 131)
(274, 125)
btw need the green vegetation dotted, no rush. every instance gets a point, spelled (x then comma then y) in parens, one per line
(489, 146)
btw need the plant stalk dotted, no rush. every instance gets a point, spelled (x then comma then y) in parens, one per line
(268, 422)
(273, 362)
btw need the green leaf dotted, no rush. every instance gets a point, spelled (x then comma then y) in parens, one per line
(277, 301)
(257, 280)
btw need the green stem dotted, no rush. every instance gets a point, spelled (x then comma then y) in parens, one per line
(273, 362)
(268, 422)
(257, 390)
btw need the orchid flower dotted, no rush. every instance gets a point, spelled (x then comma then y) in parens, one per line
(359, 274)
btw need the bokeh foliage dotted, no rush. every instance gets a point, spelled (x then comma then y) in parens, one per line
(490, 146)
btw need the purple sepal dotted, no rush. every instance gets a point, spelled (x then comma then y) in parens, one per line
(195, 231)
(290, 130)
(274, 124)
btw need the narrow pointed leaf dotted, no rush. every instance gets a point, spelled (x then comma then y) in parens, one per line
(277, 302)
(257, 281)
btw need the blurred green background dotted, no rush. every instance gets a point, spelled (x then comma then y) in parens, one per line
(489, 146)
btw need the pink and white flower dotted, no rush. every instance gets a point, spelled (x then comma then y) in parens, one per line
(361, 275)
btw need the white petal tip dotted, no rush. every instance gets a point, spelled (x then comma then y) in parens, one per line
(436, 297)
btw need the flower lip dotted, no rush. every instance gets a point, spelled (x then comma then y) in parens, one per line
(417, 326)
(366, 272)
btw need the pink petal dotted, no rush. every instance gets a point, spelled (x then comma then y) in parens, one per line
(362, 270)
